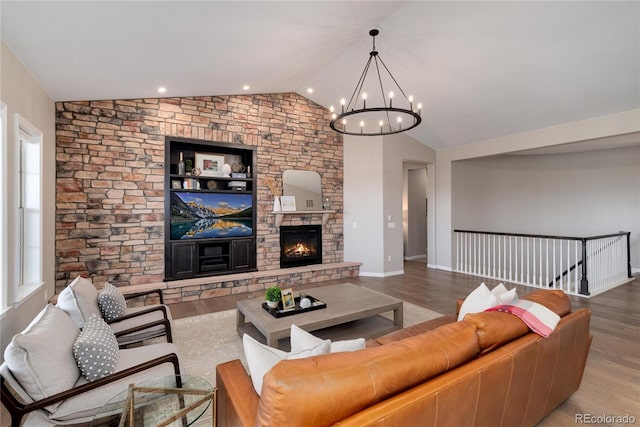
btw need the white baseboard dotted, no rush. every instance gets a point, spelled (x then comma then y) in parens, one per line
(439, 267)
(386, 274)
(411, 258)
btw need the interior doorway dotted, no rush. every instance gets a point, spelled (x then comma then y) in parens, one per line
(415, 208)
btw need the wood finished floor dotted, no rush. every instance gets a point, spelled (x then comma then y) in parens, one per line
(611, 383)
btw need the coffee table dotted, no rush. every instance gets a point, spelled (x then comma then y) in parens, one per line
(345, 303)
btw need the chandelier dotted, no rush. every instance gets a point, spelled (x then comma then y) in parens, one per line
(382, 117)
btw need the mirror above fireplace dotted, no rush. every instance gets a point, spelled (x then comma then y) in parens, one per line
(305, 186)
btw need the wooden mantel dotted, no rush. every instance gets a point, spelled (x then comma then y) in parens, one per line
(280, 215)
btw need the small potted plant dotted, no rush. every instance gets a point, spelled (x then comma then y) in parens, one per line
(273, 296)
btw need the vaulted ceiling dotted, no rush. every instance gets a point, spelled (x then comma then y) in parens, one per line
(481, 69)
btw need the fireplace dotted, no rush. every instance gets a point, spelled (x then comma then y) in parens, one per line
(300, 245)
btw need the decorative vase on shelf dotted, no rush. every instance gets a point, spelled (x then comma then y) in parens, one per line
(276, 204)
(181, 165)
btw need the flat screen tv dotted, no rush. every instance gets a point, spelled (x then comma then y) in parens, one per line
(200, 215)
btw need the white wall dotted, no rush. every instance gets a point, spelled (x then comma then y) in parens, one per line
(600, 127)
(363, 203)
(373, 173)
(23, 95)
(574, 194)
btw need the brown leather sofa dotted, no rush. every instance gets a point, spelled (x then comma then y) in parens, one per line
(487, 370)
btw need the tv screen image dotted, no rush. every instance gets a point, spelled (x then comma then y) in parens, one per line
(210, 215)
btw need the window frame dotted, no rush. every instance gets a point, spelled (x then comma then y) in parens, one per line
(24, 130)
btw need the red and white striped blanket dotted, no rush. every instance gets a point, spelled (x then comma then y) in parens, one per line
(536, 316)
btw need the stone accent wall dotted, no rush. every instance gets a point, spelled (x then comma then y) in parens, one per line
(110, 172)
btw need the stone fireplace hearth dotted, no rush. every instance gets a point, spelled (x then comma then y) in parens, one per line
(300, 245)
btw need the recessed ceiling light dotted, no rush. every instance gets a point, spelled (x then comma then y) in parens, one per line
(246, 87)
(310, 90)
(162, 89)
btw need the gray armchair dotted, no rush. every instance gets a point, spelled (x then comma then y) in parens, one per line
(43, 385)
(80, 301)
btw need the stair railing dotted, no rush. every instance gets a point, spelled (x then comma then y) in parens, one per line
(577, 265)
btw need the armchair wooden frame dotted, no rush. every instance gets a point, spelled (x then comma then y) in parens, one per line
(18, 409)
(161, 307)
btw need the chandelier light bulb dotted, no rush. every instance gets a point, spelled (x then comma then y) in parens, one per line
(410, 98)
(332, 109)
(343, 101)
(390, 98)
(344, 122)
(334, 116)
(391, 94)
(381, 123)
(362, 124)
(399, 119)
(419, 107)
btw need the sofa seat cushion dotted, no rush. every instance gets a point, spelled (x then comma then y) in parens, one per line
(84, 406)
(41, 356)
(324, 389)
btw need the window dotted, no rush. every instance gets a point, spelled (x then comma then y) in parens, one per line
(29, 221)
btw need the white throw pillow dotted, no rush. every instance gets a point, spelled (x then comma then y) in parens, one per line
(41, 356)
(261, 358)
(303, 340)
(504, 296)
(478, 300)
(79, 300)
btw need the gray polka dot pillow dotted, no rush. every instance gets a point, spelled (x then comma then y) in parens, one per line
(96, 349)
(111, 302)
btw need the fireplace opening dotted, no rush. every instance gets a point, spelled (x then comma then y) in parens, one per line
(300, 245)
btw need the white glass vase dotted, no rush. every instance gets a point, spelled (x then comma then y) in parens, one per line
(276, 204)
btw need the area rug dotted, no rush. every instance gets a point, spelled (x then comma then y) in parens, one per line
(207, 340)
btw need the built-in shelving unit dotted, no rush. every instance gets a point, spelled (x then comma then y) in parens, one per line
(210, 218)
(281, 214)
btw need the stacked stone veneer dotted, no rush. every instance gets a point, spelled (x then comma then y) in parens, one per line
(110, 180)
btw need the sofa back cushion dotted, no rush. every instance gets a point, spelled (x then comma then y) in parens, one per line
(496, 328)
(324, 389)
(41, 356)
(80, 300)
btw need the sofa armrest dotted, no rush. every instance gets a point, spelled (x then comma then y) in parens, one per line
(237, 401)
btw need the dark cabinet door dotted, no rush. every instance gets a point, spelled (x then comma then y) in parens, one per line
(242, 254)
(184, 260)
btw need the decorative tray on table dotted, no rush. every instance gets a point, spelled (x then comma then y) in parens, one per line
(316, 304)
